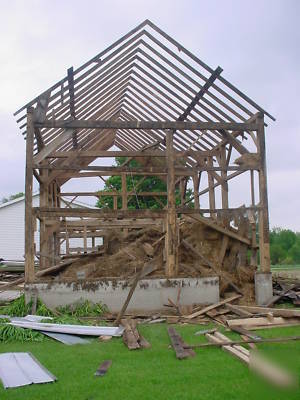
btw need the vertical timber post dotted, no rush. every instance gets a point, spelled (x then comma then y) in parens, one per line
(171, 228)
(196, 182)
(264, 244)
(29, 225)
(211, 191)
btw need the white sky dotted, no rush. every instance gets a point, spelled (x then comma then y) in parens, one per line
(256, 43)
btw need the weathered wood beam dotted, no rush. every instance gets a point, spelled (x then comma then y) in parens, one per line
(39, 115)
(174, 125)
(80, 212)
(70, 74)
(171, 241)
(201, 93)
(58, 141)
(29, 224)
(264, 240)
(235, 142)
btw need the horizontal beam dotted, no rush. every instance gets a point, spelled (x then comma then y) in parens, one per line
(100, 213)
(173, 125)
(104, 193)
(134, 154)
(185, 171)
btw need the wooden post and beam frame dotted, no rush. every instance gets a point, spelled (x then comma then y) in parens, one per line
(170, 172)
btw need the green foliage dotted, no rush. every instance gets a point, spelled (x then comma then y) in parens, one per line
(18, 308)
(82, 309)
(10, 333)
(136, 184)
(284, 246)
(12, 197)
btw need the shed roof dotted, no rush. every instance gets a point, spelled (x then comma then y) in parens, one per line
(145, 75)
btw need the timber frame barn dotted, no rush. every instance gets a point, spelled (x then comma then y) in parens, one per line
(156, 102)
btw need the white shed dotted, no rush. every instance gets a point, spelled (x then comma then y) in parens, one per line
(12, 215)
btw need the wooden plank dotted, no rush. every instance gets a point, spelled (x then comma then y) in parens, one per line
(201, 93)
(148, 268)
(277, 312)
(237, 310)
(178, 345)
(261, 321)
(155, 125)
(229, 349)
(211, 307)
(239, 342)
(70, 75)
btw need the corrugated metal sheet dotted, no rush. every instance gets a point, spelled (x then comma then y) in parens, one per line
(82, 330)
(20, 369)
(66, 338)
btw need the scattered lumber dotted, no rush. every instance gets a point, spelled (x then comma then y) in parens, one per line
(40, 273)
(277, 312)
(244, 332)
(244, 341)
(278, 297)
(239, 311)
(131, 336)
(103, 368)
(211, 307)
(261, 321)
(179, 345)
(228, 348)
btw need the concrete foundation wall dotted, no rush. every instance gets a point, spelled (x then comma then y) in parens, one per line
(150, 294)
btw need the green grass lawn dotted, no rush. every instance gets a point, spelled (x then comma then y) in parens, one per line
(152, 373)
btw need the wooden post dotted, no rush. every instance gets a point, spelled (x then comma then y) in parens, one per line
(196, 182)
(212, 200)
(124, 192)
(224, 187)
(171, 228)
(44, 261)
(264, 243)
(29, 226)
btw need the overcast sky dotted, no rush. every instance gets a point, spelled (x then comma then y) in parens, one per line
(257, 43)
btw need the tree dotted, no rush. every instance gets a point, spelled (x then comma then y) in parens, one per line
(137, 184)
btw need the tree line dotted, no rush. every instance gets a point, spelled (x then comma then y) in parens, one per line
(284, 246)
